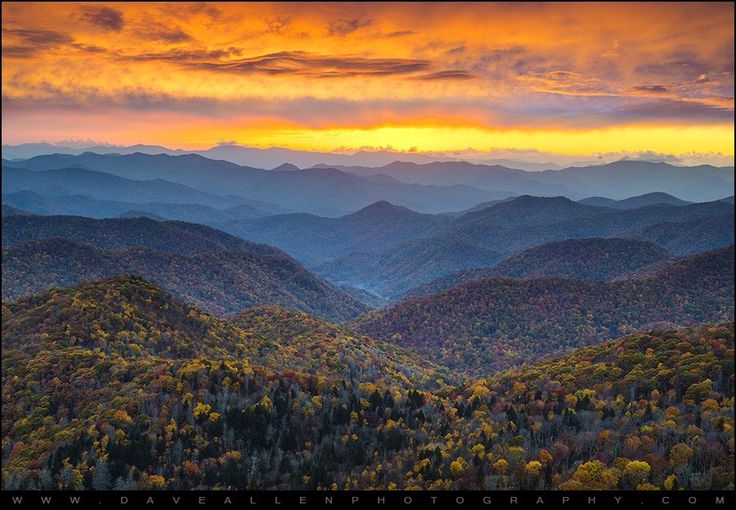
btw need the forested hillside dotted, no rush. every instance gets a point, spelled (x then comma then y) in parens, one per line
(218, 272)
(116, 385)
(490, 324)
(482, 238)
(219, 282)
(587, 259)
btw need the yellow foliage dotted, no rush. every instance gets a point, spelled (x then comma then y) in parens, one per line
(457, 466)
(201, 408)
(637, 471)
(533, 468)
(501, 466)
(156, 480)
(266, 402)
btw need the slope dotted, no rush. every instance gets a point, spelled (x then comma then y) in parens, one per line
(587, 259)
(491, 324)
(219, 272)
(116, 385)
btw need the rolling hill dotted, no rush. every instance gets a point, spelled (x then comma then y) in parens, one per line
(490, 324)
(9, 210)
(482, 238)
(218, 272)
(80, 205)
(169, 236)
(586, 259)
(117, 382)
(634, 202)
(314, 239)
(104, 186)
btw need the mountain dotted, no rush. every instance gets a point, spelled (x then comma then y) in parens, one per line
(448, 173)
(490, 324)
(286, 167)
(14, 211)
(235, 153)
(219, 273)
(128, 382)
(31, 150)
(691, 236)
(104, 186)
(617, 180)
(403, 266)
(81, 205)
(217, 282)
(481, 238)
(314, 239)
(623, 179)
(526, 210)
(168, 236)
(141, 214)
(587, 259)
(324, 191)
(634, 202)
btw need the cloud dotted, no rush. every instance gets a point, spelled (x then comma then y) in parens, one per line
(39, 37)
(30, 42)
(161, 32)
(102, 17)
(321, 66)
(668, 108)
(278, 24)
(182, 56)
(651, 89)
(398, 33)
(347, 26)
(452, 74)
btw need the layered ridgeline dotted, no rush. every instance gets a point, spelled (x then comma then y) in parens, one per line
(131, 389)
(482, 238)
(218, 272)
(494, 323)
(83, 205)
(313, 239)
(587, 259)
(656, 198)
(324, 191)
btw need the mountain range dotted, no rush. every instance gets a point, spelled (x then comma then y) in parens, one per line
(325, 191)
(218, 272)
(586, 259)
(174, 321)
(494, 323)
(481, 238)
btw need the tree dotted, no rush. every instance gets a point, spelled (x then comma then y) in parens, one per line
(101, 476)
(680, 454)
(595, 475)
(637, 471)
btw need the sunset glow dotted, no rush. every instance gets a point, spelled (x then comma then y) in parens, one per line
(570, 79)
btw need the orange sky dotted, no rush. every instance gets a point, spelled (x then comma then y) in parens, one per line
(568, 78)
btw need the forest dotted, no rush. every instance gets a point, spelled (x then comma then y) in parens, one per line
(144, 391)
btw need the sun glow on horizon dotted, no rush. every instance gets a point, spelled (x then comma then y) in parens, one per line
(412, 77)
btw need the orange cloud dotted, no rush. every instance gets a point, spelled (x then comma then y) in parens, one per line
(368, 66)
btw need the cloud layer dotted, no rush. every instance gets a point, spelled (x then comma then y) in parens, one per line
(358, 66)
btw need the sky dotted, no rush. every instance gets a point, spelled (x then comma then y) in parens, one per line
(571, 79)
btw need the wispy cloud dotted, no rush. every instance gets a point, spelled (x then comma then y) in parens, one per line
(321, 66)
(104, 17)
(347, 26)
